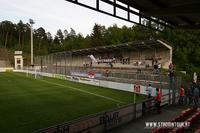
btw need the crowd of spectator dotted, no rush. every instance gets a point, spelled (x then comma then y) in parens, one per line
(191, 96)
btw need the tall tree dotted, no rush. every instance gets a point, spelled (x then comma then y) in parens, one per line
(60, 36)
(66, 34)
(72, 33)
(49, 37)
(97, 35)
(7, 27)
(20, 29)
(41, 38)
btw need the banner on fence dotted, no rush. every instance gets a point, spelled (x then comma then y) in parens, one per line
(89, 74)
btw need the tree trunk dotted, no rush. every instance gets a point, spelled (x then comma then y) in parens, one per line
(3, 38)
(22, 42)
(6, 41)
(39, 46)
(10, 40)
(1, 34)
(19, 40)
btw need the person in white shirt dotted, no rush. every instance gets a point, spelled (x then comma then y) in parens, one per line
(149, 91)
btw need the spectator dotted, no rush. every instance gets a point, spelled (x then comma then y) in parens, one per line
(199, 88)
(171, 70)
(159, 68)
(111, 65)
(182, 96)
(147, 66)
(171, 66)
(91, 64)
(158, 100)
(171, 73)
(156, 67)
(196, 95)
(149, 91)
(106, 72)
(190, 94)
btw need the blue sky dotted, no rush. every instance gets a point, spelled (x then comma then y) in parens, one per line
(57, 14)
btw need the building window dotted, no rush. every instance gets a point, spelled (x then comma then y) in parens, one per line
(18, 61)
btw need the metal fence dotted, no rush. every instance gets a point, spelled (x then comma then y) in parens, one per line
(66, 63)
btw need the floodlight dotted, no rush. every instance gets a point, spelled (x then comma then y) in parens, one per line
(31, 21)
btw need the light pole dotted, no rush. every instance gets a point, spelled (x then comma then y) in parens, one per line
(31, 27)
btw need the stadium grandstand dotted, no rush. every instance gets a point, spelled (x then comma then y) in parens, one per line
(139, 54)
(132, 62)
(131, 56)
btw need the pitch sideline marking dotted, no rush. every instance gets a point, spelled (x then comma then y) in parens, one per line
(108, 98)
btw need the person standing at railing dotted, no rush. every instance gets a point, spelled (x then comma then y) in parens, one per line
(196, 95)
(158, 100)
(149, 91)
(182, 95)
(191, 93)
(106, 73)
(159, 68)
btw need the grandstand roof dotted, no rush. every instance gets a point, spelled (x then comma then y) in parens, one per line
(135, 46)
(168, 13)
(180, 13)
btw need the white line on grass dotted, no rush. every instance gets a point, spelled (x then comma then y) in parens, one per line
(108, 98)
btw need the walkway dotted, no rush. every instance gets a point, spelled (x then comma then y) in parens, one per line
(137, 126)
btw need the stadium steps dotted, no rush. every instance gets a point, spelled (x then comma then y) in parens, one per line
(191, 115)
(195, 126)
(192, 120)
(184, 115)
(115, 69)
(168, 113)
(198, 129)
(4, 58)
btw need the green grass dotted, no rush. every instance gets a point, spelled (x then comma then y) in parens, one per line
(28, 104)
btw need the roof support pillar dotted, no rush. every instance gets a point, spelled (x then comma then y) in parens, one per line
(97, 4)
(114, 8)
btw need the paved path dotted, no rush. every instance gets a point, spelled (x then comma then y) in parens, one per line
(137, 126)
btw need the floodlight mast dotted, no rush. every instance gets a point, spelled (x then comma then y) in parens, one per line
(31, 27)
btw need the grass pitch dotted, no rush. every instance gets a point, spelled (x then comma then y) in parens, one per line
(28, 104)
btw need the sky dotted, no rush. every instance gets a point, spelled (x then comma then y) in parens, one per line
(58, 14)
